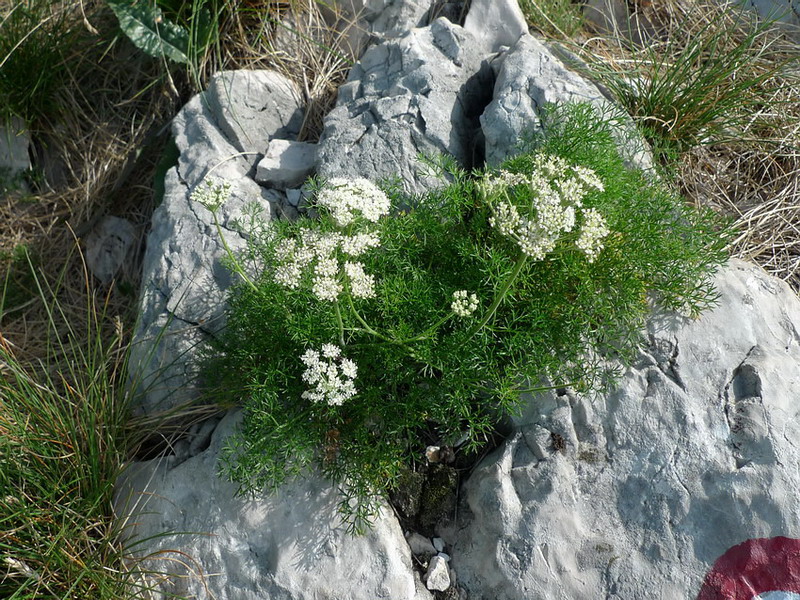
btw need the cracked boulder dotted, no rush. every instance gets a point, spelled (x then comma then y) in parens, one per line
(190, 523)
(636, 493)
(184, 280)
(420, 94)
(531, 75)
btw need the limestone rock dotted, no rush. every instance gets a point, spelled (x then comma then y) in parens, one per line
(252, 107)
(422, 93)
(14, 157)
(107, 247)
(286, 164)
(495, 23)
(695, 450)
(530, 76)
(386, 19)
(437, 578)
(184, 280)
(420, 545)
(289, 545)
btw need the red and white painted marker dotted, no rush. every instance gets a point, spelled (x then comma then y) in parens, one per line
(758, 569)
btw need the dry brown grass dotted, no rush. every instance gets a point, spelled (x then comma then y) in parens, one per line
(749, 171)
(100, 153)
(92, 167)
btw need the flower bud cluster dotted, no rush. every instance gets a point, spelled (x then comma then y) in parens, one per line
(464, 303)
(344, 198)
(330, 375)
(555, 191)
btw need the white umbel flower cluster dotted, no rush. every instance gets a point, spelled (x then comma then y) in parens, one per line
(330, 375)
(464, 303)
(316, 252)
(361, 284)
(594, 229)
(556, 190)
(211, 193)
(346, 198)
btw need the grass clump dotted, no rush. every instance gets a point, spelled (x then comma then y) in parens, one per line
(702, 89)
(63, 440)
(365, 329)
(554, 18)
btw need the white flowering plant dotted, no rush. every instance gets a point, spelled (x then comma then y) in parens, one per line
(371, 324)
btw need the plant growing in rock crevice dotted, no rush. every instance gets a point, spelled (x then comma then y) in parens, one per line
(368, 325)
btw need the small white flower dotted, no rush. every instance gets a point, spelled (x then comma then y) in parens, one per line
(349, 368)
(588, 177)
(594, 229)
(344, 198)
(326, 267)
(464, 303)
(326, 288)
(356, 245)
(505, 218)
(331, 351)
(361, 284)
(211, 193)
(330, 383)
(288, 275)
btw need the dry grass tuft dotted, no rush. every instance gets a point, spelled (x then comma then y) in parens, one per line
(747, 165)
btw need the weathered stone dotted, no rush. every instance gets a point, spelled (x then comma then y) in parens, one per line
(420, 545)
(530, 76)
(613, 17)
(495, 23)
(184, 280)
(107, 247)
(786, 13)
(288, 545)
(437, 578)
(422, 93)
(695, 450)
(14, 156)
(252, 107)
(286, 164)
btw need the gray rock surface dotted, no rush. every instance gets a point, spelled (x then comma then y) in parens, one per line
(183, 277)
(422, 93)
(286, 164)
(495, 23)
(14, 156)
(437, 577)
(107, 247)
(385, 19)
(531, 75)
(252, 107)
(283, 547)
(640, 490)
(785, 12)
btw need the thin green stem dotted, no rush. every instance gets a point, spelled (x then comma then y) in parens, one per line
(366, 325)
(341, 324)
(430, 330)
(236, 266)
(500, 295)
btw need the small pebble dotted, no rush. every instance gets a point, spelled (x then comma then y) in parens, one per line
(438, 576)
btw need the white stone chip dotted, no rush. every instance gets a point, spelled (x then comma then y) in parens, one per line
(438, 576)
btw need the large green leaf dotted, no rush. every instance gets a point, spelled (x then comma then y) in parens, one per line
(147, 28)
